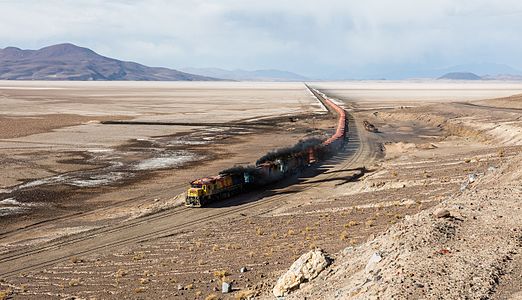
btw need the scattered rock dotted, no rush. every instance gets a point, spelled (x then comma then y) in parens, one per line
(441, 213)
(372, 262)
(243, 270)
(226, 287)
(304, 269)
(472, 178)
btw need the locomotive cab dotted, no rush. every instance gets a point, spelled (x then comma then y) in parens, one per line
(195, 194)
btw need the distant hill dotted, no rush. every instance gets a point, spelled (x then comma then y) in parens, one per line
(70, 62)
(460, 76)
(243, 75)
(505, 77)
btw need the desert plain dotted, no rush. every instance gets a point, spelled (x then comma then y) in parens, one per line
(92, 209)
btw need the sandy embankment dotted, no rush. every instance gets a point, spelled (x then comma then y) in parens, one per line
(460, 256)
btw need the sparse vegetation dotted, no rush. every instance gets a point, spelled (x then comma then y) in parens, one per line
(120, 273)
(351, 224)
(5, 294)
(138, 256)
(220, 274)
(76, 260)
(75, 282)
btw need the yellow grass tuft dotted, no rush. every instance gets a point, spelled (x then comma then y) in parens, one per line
(221, 274)
(75, 282)
(351, 224)
(138, 256)
(120, 273)
(5, 294)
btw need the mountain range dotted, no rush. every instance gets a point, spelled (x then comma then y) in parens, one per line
(244, 75)
(70, 62)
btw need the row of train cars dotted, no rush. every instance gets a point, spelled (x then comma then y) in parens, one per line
(273, 166)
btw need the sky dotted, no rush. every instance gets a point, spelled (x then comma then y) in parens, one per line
(327, 39)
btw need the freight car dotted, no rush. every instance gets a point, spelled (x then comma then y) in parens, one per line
(271, 167)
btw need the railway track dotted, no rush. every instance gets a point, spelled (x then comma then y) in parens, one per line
(174, 221)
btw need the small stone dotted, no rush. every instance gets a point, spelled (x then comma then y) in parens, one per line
(441, 213)
(472, 178)
(180, 287)
(372, 262)
(243, 270)
(226, 287)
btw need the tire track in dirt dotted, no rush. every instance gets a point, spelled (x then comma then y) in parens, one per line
(172, 222)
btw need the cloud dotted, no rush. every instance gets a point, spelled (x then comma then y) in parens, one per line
(327, 38)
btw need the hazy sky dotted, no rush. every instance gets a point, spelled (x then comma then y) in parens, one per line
(329, 39)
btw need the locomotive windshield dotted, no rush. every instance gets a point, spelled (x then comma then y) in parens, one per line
(196, 185)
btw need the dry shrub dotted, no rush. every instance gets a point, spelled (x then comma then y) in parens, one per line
(259, 231)
(120, 273)
(76, 260)
(343, 236)
(75, 282)
(221, 274)
(139, 290)
(138, 256)
(5, 294)
(351, 224)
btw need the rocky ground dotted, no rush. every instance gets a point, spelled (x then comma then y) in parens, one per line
(465, 247)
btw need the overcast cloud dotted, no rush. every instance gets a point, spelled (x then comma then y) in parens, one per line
(329, 39)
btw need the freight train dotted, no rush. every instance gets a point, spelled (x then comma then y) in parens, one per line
(272, 167)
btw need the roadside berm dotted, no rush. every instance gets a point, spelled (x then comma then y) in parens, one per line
(459, 249)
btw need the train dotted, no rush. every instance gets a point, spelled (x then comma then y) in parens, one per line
(270, 168)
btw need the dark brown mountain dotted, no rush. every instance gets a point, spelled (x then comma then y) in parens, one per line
(70, 62)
